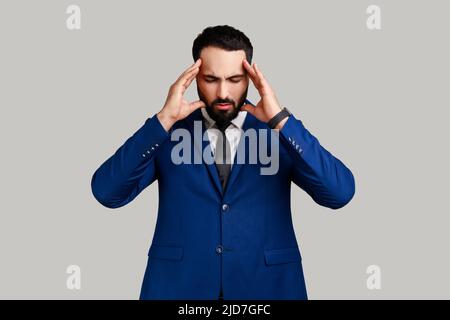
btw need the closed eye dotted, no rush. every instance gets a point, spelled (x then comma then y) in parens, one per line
(213, 80)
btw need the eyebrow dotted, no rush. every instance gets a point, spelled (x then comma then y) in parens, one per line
(240, 75)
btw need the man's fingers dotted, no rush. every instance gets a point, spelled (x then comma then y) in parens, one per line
(252, 73)
(188, 82)
(195, 65)
(259, 74)
(189, 70)
(187, 75)
(248, 68)
(187, 79)
(263, 86)
(249, 108)
(190, 79)
(196, 104)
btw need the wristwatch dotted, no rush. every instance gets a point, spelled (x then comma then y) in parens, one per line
(272, 123)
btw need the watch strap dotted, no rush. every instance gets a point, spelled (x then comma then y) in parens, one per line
(272, 123)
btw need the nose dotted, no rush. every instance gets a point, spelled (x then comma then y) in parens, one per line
(222, 91)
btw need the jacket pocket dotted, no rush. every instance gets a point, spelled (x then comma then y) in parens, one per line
(165, 252)
(285, 255)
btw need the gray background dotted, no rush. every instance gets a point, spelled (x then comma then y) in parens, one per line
(378, 100)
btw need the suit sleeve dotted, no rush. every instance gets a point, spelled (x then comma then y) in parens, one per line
(324, 177)
(131, 168)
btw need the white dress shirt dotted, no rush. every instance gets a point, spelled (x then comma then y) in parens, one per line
(233, 132)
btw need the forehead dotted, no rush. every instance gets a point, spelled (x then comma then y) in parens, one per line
(220, 62)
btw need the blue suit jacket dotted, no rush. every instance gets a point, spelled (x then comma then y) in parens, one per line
(241, 241)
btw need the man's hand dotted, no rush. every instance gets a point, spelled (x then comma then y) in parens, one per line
(176, 107)
(268, 106)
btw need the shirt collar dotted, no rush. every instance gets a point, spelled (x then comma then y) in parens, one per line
(238, 122)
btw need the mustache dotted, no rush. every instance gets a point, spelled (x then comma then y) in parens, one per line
(218, 101)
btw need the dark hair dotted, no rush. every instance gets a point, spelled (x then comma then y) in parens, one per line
(223, 37)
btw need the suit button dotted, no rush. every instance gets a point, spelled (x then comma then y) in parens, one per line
(225, 207)
(219, 249)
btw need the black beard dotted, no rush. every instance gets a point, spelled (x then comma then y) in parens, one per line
(223, 117)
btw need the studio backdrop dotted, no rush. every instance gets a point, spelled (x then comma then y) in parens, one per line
(368, 78)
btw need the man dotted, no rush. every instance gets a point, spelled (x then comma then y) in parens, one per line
(224, 230)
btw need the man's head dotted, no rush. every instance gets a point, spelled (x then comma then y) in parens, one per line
(222, 77)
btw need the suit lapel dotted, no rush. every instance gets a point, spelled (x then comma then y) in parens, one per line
(249, 122)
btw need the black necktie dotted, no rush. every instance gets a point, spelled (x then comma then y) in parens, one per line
(222, 155)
